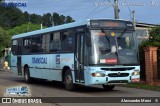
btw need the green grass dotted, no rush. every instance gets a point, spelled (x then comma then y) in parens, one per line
(142, 86)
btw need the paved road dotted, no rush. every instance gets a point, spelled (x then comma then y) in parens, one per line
(54, 89)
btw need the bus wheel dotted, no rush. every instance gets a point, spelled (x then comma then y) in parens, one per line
(27, 75)
(108, 87)
(68, 81)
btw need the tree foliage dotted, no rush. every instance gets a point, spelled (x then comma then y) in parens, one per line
(24, 28)
(155, 34)
(4, 40)
(11, 17)
(35, 19)
(55, 19)
(47, 20)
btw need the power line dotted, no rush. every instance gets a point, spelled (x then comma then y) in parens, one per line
(39, 3)
(93, 11)
(98, 12)
(111, 3)
(76, 6)
(130, 11)
(102, 9)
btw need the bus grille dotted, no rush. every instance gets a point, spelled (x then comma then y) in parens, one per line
(118, 69)
(118, 75)
(119, 81)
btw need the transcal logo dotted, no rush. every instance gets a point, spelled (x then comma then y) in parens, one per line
(39, 60)
(17, 91)
(13, 3)
(19, 94)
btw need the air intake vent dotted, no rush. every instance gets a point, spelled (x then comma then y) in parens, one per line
(119, 81)
(118, 74)
(118, 69)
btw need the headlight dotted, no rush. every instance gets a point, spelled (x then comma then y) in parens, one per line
(98, 75)
(135, 73)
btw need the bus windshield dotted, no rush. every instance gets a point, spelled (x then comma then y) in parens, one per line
(113, 47)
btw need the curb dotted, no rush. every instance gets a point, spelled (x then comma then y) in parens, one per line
(5, 70)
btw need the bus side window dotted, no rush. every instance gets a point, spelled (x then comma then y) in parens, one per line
(55, 44)
(26, 45)
(36, 44)
(45, 42)
(67, 41)
(14, 47)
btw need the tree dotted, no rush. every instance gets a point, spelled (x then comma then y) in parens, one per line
(27, 17)
(11, 17)
(61, 19)
(69, 19)
(4, 40)
(155, 34)
(47, 20)
(24, 28)
(35, 19)
(56, 19)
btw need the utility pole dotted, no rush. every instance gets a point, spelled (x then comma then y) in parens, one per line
(41, 25)
(28, 23)
(116, 10)
(52, 20)
(134, 19)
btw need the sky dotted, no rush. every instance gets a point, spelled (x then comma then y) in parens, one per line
(146, 11)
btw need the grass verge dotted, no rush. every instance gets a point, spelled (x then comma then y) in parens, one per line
(142, 86)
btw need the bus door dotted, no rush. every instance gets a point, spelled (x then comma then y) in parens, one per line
(19, 61)
(79, 58)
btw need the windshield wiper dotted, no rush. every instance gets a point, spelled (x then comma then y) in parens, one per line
(106, 36)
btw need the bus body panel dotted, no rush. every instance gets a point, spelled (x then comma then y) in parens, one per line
(45, 66)
(14, 64)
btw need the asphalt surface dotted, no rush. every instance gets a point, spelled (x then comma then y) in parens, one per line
(41, 88)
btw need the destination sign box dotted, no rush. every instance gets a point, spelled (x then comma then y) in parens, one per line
(111, 24)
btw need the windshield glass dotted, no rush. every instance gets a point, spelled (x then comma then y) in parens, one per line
(113, 46)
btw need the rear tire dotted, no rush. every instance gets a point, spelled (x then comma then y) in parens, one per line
(108, 87)
(68, 81)
(27, 77)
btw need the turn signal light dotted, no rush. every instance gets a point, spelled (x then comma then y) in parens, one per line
(98, 75)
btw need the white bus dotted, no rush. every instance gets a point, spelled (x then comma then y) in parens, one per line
(90, 52)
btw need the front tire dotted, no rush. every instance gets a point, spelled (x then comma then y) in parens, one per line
(108, 87)
(27, 75)
(68, 81)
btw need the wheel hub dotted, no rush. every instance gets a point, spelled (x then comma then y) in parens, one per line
(26, 76)
(68, 80)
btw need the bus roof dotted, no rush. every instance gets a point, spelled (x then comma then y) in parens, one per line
(51, 29)
(56, 28)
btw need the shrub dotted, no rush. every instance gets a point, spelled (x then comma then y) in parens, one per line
(154, 40)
